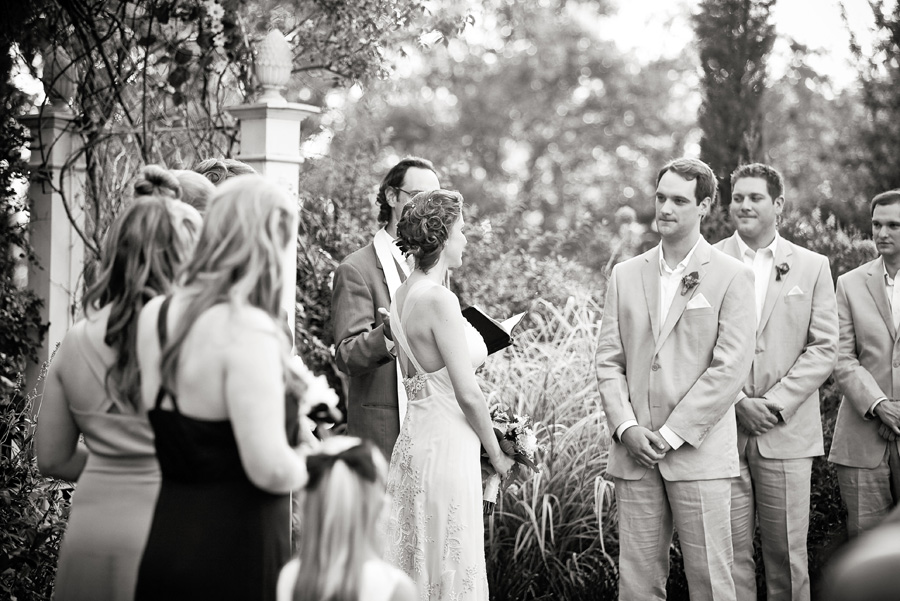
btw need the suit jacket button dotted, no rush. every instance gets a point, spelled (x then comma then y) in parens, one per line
(655, 366)
(758, 351)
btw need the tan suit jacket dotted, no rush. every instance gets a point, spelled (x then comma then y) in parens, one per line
(868, 365)
(360, 349)
(796, 349)
(684, 373)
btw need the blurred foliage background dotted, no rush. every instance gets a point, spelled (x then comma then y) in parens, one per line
(552, 131)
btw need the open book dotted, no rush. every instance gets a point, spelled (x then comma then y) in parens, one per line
(497, 334)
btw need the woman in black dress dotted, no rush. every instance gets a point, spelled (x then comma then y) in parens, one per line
(213, 358)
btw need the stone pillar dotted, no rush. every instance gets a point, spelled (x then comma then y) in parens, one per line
(270, 136)
(59, 249)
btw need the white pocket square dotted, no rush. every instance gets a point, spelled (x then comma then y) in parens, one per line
(795, 291)
(698, 302)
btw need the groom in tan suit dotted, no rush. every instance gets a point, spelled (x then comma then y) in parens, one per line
(779, 426)
(363, 283)
(868, 372)
(676, 344)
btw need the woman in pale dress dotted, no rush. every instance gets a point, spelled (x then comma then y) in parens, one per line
(92, 389)
(436, 528)
(341, 524)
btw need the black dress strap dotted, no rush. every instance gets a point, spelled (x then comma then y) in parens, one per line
(163, 334)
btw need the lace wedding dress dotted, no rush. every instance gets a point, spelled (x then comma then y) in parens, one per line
(436, 529)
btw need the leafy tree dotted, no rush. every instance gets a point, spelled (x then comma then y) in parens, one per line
(879, 74)
(734, 38)
(21, 330)
(153, 78)
(542, 124)
(811, 128)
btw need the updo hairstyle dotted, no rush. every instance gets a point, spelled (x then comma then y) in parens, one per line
(196, 190)
(154, 180)
(425, 225)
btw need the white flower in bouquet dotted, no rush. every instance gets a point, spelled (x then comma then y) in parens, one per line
(528, 443)
(320, 392)
(311, 390)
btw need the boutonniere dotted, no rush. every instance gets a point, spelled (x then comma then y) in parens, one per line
(780, 270)
(689, 281)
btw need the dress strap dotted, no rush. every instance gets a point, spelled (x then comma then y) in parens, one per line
(162, 332)
(398, 330)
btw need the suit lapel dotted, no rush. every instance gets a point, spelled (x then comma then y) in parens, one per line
(875, 284)
(379, 265)
(784, 253)
(731, 247)
(650, 276)
(697, 263)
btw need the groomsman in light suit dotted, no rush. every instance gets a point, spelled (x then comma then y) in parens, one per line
(364, 283)
(868, 373)
(676, 344)
(779, 425)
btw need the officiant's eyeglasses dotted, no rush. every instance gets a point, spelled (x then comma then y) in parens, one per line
(409, 193)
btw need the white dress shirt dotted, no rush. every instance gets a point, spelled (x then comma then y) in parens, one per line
(669, 285)
(893, 297)
(761, 262)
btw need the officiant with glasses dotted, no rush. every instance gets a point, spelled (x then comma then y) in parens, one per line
(365, 282)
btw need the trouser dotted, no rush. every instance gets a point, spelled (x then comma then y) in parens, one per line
(777, 492)
(649, 509)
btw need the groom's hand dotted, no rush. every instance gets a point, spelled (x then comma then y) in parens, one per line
(386, 319)
(755, 416)
(644, 445)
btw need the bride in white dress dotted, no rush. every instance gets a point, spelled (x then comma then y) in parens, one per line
(436, 528)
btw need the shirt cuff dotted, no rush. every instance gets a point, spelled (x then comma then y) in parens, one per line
(871, 412)
(673, 439)
(389, 344)
(624, 426)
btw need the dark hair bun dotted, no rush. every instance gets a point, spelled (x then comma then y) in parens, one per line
(154, 180)
(425, 225)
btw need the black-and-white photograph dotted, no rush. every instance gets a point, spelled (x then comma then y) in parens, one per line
(450, 300)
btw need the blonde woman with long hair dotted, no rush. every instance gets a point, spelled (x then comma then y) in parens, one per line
(341, 526)
(213, 359)
(93, 390)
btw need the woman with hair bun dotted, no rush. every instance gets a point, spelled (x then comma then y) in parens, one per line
(157, 181)
(196, 190)
(436, 529)
(342, 509)
(214, 363)
(93, 390)
(161, 183)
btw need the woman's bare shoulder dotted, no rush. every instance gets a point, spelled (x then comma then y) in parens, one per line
(236, 319)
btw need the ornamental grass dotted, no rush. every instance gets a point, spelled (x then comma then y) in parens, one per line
(553, 536)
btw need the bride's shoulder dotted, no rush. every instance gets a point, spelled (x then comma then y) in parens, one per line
(440, 298)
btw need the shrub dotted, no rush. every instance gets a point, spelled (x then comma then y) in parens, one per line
(845, 250)
(506, 268)
(33, 509)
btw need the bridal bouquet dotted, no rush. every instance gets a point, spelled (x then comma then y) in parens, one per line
(517, 440)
